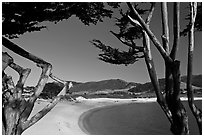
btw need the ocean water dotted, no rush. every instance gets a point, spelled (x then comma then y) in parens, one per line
(133, 119)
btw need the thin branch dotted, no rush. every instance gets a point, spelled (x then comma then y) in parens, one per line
(41, 114)
(151, 11)
(165, 28)
(132, 45)
(176, 26)
(150, 34)
(65, 83)
(57, 79)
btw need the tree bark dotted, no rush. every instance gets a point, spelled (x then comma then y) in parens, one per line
(18, 50)
(16, 109)
(165, 27)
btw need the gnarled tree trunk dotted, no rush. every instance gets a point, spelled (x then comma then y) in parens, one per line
(16, 108)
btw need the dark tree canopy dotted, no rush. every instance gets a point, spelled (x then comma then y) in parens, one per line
(21, 17)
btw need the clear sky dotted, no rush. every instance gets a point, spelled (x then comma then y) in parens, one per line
(66, 46)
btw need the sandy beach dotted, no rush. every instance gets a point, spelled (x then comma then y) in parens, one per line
(64, 118)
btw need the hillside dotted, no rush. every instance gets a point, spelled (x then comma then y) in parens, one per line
(115, 88)
(111, 84)
(148, 87)
(196, 80)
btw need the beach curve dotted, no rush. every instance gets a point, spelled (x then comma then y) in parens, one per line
(67, 118)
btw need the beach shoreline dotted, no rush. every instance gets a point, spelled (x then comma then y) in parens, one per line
(67, 118)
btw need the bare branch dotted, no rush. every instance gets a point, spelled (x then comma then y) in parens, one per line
(57, 79)
(176, 26)
(151, 11)
(41, 114)
(134, 21)
(46, 70)
(165, 28)
(6, 60)
(23, 76)
(151, 35)
(18, 50)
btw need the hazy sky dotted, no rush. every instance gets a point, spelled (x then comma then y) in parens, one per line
(66, 46)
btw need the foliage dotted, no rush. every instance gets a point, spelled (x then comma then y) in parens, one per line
(21, 17)
(198, 21)
(127, 34)
(114, 56)
(127, 30)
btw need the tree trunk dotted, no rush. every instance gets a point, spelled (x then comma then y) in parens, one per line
(172, 106)
(16, 109)
(196, 112)
(179, 115)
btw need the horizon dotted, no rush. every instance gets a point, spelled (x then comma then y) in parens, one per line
(66, 46)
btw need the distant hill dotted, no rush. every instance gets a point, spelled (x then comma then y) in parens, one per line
(148, 87)
(196, 80)
(111, 84)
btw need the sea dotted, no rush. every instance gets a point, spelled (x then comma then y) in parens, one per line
(133, 119)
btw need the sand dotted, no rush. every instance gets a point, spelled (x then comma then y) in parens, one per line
(64, 118)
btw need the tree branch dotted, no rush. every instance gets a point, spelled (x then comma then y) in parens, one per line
(18, 50)
(132, 44)
(165, 28)
(6, 60)
(153, 76)
(150, 34)
(46, 70)
(151, 11)
(65, 83)
(23, 76)
(41, 113)
(57, 79)
(176, 26)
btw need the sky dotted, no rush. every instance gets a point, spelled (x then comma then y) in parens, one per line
(66, 45)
